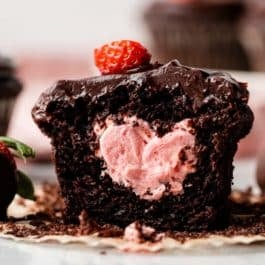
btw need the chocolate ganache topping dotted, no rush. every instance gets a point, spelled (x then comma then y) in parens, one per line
(218, 88)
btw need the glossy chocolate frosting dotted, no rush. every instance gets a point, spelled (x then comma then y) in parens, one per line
(217, 87)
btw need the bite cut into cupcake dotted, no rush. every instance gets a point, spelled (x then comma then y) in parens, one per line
(145, 142)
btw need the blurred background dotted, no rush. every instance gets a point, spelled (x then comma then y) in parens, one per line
(50, 40)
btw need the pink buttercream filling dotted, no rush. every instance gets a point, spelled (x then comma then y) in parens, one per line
(149, 164)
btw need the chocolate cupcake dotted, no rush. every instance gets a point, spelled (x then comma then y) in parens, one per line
(253, 34)
(201, 33)
(10, 87)
(153, 145)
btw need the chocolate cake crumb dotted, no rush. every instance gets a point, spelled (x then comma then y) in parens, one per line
(139, 233)
(247, 219)
(86, 225)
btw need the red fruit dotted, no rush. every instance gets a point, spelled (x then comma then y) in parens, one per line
(8, 179)
(13, 181)
(5, 152)
(119, 56)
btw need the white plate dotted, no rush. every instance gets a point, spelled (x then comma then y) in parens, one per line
(12, 253)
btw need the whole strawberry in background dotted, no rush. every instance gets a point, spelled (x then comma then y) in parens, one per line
(12, 180)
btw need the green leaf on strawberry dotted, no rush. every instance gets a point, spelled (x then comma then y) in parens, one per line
(25, 186)
(21, 150)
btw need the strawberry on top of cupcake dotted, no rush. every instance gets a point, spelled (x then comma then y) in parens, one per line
(120, 56)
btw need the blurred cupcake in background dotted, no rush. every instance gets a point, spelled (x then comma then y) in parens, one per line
(10, 87)
(253, 33)
(198, 32)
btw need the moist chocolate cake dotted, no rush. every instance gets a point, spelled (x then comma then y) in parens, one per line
(151, 145)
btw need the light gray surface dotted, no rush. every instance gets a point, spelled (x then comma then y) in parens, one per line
(245, 175)
(12, 253)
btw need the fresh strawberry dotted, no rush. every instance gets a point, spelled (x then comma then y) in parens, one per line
(4, 151)
(119, 56)
(8, 179)
(13, 181)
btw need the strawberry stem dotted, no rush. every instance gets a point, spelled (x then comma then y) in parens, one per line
(21, 150)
